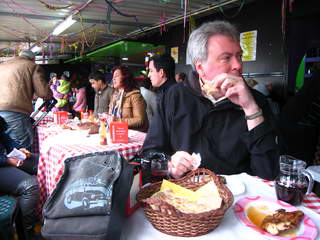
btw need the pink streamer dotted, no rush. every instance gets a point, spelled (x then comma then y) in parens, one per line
(24, 8)
(185, 19)
(13, 10)
(51, 47)
(11, 33)
(162, 22)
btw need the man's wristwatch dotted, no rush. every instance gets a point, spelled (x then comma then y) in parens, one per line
(255, 115)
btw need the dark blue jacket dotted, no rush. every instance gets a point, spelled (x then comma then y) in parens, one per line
(7, 144)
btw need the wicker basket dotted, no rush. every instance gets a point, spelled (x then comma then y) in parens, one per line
(169, 220)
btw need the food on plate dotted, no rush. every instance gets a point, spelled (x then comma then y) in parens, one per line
(206, 198)
(281, 221)
(94, 127)
(66, 127)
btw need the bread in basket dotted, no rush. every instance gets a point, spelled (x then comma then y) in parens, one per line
(169, 220)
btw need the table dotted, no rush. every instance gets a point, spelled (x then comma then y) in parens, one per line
(47, 119)
(57, 144)
(137, 226)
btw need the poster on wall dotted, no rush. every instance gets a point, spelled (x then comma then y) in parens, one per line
(175, 54)
(248, 42)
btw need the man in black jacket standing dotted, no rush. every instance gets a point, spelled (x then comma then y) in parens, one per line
(161, 72)
(214, 112)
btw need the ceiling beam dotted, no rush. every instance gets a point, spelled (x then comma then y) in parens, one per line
(23, 40)
(44, 17)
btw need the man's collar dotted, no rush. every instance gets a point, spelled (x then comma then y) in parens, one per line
(103, 88)
(168, 83)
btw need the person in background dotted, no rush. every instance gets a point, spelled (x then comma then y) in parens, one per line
(18, 178)
(61, 89)
(180, 77)
(103, 92)
(81, 99)
(21, 79)
(215, 113)
(300, 121)
(39, 101)
(149, 96)
(127, 103)
(161, 73)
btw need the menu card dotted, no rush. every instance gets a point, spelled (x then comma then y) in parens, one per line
(119, 132)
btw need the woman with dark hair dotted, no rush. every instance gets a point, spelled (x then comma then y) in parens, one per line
(127, 103)
(18, 178)
(79, 90)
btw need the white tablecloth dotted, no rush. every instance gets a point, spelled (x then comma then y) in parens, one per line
(137, 226)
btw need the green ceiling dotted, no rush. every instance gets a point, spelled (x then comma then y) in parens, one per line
(118, 49)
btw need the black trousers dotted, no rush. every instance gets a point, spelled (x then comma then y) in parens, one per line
(22, 182)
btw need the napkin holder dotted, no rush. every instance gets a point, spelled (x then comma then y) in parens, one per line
(60, 117)
(119, 132)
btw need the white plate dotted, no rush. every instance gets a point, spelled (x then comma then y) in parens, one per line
(307, 229)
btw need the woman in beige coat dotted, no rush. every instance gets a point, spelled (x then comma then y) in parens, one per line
(127, 103)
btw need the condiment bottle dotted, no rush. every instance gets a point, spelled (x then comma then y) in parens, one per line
(103, 133)
(91, 117)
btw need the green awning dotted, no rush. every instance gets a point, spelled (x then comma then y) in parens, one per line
(119, 49)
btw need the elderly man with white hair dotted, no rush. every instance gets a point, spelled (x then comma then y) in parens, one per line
(21, 78)
(215, 113)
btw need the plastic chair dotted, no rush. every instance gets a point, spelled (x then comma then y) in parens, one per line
(10, 213)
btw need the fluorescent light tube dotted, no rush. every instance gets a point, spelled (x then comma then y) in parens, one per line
(63, 25)
(36, 49)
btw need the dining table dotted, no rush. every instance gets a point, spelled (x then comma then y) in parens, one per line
(243, 186)
(48, 119)
(57, 144)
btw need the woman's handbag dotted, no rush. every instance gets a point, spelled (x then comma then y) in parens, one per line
(89, 200)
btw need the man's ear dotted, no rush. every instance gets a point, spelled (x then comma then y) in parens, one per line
(162, 73)
(199, 68)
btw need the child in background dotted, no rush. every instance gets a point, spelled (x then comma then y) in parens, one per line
(81, 99)
(61, 90)
(39, 101)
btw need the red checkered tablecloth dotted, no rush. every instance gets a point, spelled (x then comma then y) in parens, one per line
(43, 122)
(311, 201)
(51, 162)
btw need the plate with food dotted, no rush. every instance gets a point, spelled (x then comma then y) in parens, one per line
(274, 219)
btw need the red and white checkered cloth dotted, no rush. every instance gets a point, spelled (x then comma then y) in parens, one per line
(311, 201)
(44, 121)
(51, 163)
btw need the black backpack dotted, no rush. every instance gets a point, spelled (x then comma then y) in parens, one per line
(89, 200)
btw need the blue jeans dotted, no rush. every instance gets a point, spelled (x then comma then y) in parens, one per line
(19, 128)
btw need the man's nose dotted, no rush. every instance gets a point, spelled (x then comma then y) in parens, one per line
(236, 63)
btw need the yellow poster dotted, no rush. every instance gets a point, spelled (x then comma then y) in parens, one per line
(175, 54)
(248, 42)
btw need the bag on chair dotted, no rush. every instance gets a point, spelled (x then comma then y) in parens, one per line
(89, 200)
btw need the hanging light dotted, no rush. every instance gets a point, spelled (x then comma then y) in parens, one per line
(63, 26)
